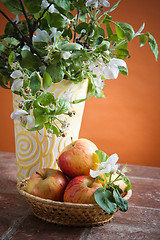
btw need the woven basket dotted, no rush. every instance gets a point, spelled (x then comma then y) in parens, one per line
(65, 213)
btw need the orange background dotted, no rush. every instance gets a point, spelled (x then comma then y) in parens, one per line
(127, 121)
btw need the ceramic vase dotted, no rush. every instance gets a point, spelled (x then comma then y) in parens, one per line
(36, 150)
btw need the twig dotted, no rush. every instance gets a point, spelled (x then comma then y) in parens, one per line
(37, 21)
(27, 19)
(74, 39)
(25, 39)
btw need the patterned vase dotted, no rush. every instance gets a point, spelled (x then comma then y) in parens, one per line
(36, 150)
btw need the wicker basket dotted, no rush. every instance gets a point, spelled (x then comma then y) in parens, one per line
(64, 213)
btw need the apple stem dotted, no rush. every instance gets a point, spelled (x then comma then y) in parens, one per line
(40, 174)
(90, 185)
(72, 141)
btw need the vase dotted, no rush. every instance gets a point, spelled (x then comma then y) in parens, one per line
(35, 150)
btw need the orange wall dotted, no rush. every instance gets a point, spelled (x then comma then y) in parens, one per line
(127, 121)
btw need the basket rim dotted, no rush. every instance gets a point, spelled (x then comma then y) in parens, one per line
(20, 188)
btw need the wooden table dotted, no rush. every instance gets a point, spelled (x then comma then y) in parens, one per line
(141, 221)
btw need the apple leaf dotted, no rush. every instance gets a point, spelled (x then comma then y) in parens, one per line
(121, 202)
(102, 156)
(127, 181)
(62, 106)
(105, 200)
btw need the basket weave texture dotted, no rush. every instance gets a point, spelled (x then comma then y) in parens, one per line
(65, 213)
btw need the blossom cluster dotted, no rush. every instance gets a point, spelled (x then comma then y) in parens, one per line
(61, 39)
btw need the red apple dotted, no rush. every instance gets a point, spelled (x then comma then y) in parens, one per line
(47, 183)
(78, 158)
(81, 190)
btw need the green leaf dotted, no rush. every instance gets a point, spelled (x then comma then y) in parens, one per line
(2, 47)
(13, 6)
(53, 128)
(30, 60)
(127, 181)
(33, 6)
(37, 128)
(65, 4)
(82, 26)
(153, 45)
(47, 80)
(3, 81)
(45, 99)
(140, 30)
(124, 30)
(123, 70)
(35, 83)
(40, 116)
(113, 7)
(143, 39)
(56, 72)
(105, 200)
(106, 18)
(11, 57)
(55, 20)
(102, 47)
(79, 4)
(109, 30)
(62, 106)
(67, 33)
(122, 53)
(9, 29)
(11, 41)
(121, 202)
(102, 156)
(71, 46)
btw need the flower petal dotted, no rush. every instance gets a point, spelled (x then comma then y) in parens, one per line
(66, 55)
(110, 72)
(31, 121)
(112, 160)
(16, 74)
(118, 62)
(17, 85)
(94, 174)
(18, 113)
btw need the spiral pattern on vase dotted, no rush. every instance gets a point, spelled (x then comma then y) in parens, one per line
(36, 150)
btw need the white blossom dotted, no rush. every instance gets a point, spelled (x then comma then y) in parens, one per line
(66, 55)
(97, 3)
(66, 19)
(44, 36)
(17, 85)
(106, 167)
(17, 114)
(51, 9)
(111, 70)
(16, 74)
(97, 67)
(41, 36)
(16, 20)
(104, 3)
(26, 47)
(31, 121)
(54, 33)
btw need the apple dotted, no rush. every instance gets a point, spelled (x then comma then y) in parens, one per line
(81, 189)
(78, 158)
(47, 183)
